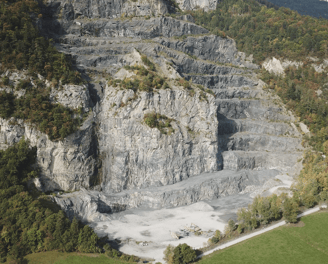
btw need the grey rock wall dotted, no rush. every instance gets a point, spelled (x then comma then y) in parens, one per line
(65, 165)
(137, 156)
(95, 9)
(93, 206)
(206, 5)
(220, 143)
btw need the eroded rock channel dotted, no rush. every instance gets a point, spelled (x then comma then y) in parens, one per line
(227, 135)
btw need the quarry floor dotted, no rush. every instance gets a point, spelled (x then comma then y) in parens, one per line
(146, 233)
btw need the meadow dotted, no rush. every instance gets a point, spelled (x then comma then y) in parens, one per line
(55, 257)
(305, 242)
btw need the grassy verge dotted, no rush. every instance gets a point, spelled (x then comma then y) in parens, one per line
(54, 257)
(289, 244)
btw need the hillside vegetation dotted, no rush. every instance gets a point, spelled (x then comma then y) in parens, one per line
(22, 47)
(266, 32)
(35, 107)
(30, 222)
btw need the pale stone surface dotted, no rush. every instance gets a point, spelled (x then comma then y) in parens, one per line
(142, 155)
(64, 165)
(196, 4)
(72, 96)
(278, 67)
(274, 66)
(304, 128)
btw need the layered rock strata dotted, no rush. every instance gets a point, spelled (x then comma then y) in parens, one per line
(235, 126)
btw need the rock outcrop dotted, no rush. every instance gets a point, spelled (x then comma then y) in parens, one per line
(137, 156)
(65, 165)
(93, 206)
(206, 5)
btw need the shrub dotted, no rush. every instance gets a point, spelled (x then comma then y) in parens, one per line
(5, 80)
(161, 122)
(23, 84)
(168, 254)
(290, 209)
(183, 254)
(22, 46)
(148, 63)
(35, 107)
(145, 80)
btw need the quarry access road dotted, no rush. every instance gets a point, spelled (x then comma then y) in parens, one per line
(259, 232)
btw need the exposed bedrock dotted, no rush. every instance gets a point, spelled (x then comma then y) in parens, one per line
(95, 9)
(135, 28)
(231, 126)
(196, 4)
(212, 48)
(92, 205)
(65, 165)
(251, 109)
(255, 160)
(238, 128)
(137, 156)
(220, 81)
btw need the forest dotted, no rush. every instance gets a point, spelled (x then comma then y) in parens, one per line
(29, 221)
(22, 46)
(266, 32)
(52, 119)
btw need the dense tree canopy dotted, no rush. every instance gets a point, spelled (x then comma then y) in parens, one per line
(266, 32)
(22, 47)
(29, 222)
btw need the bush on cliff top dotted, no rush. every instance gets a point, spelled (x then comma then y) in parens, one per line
(144, 80)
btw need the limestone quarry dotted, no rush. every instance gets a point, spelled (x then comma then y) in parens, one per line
(230, 139)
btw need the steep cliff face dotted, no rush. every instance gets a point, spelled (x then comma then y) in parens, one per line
(206, 5)
(226, 132)
(137, 156)
(95, 9)
(65, 165)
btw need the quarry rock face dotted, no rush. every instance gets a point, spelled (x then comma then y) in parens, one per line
(137, 156)
(227, 132)
(206, 5)
(66, 165)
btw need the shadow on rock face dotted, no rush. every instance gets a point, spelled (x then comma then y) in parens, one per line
(226, 128)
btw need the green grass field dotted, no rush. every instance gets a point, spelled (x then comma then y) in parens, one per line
(307, 244)
(54, 257)
(289, 244)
